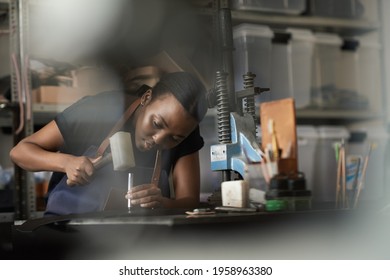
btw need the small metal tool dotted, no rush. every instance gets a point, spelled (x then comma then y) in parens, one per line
(129, 186)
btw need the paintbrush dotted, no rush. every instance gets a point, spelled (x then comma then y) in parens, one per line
(343, 175)
(274, 140)
(363, 177)
(338, 159)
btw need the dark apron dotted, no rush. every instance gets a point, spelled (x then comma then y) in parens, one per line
(92, 197)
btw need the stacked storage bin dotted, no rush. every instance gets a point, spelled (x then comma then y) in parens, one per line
(292, 53)
(252, 53)
(294, 7)
(369, 73)
(375, 134)
(359, 73)
(307, 136)
(327, 54)
(348, 79)
(325, 171)
(337, 8)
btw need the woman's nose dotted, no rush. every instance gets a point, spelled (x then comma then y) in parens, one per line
(159, 138)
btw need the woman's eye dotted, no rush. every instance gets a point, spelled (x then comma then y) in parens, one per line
(156, 124)
(175, 140)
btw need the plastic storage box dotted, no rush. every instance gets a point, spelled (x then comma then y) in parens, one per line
(358, 74)
(325, 170)
(294, 7)
(337, 8)
(252, 53)
(369, 72)
(307, 136)
(292, 53)
(348, 78)
(327, 54)
(374, 184)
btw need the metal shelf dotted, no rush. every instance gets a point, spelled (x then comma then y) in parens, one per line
(324, 114)
(336, 114)
(338, 25)
(342, 26)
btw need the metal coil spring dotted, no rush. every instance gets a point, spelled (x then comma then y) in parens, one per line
(223, 114)
(249, 105)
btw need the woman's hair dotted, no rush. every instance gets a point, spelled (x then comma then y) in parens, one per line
(187, 89)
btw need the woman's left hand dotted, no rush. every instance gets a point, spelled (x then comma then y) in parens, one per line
(147, 195)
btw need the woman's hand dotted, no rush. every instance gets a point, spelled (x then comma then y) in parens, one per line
(147, 195)
(79, 170)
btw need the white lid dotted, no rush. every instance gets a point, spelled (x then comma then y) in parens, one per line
(333, 132)
(328, 39)
(301, 34)
(369, 40)
(247, 29)
(307, 131)
(372, 131)
(367, 43)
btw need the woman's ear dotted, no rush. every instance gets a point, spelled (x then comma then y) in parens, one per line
(146, 97)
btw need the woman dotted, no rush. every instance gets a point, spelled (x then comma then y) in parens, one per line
(166, 119)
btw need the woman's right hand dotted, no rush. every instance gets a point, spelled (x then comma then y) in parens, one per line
(79, 170)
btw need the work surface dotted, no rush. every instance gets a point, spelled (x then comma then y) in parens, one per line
(171, 234)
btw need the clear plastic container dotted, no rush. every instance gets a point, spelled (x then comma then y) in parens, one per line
(337, 8)
(325, 170)
(307, 136)
(292, 53)
(294, 7)
(327, 54)
(369, 71)
(376, 135)
(358, 74)
(252, 53)
(348, 79)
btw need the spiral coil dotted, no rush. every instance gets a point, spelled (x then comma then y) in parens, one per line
(223, 114)
(249, 105)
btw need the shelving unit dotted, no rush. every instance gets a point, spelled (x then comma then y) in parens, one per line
(342, 27)
(353, 119)
(45, 112)
(8, 110)
(24, 188)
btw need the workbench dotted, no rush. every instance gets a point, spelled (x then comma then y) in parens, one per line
(172, 234)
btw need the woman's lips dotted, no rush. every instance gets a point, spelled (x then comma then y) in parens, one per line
(148, 145)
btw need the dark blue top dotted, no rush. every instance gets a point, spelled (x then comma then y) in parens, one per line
(88, 122)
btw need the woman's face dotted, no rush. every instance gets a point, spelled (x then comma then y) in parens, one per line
(162, 123)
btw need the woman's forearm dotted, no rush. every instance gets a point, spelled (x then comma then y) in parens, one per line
(31, 157)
